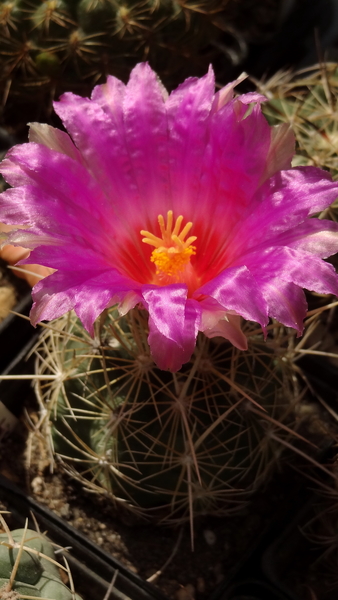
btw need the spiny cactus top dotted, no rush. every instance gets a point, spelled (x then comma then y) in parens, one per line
(184, 204)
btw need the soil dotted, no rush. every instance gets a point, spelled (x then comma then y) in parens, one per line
(160, 555)
(144, 549)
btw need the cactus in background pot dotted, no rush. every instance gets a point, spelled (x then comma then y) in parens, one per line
(307, 100)
(49, 46)
(28, 567)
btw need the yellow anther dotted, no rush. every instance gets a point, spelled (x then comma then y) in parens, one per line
(172, 251)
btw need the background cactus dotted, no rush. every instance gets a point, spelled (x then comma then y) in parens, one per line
(49, 46)
(28, 567)
(307, 100)
(173, 445)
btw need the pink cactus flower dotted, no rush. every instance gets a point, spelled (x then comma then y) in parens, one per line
(185, 204)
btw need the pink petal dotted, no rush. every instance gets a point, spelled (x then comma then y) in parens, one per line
(223, 324)
(286, 302)
(87, 292)
(54, 139)
(109, 96)
(233, 166)
(282, 203)
(188, 109)
(225, 95)
(67, 182)
(122, 133)
(173, 324)
(292, 266)
(101, 138)
(145, 123)
(316, 236)
(70, 258)
(281, 151)
(235, 289)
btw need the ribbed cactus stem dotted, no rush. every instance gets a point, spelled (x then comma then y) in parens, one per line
(161, 443)
(28, 567)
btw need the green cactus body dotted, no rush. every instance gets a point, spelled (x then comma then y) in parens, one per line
(155, 441)
(30, 568)
(20, 589)
(308, 101)
(35, 575)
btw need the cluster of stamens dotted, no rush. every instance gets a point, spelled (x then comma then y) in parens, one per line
(172, 251)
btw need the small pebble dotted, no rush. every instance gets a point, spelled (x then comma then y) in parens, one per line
(186, 592)
(218, 572)
(113, 537)
(200, 585)
(37, 485)
(210, 537)
(64, 510)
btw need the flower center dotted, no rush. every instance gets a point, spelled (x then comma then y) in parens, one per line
(172, 251)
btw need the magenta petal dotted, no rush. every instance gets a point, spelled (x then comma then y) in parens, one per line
(109, 96)
(66, 182)
(173, 324)
(188, 110)
(286, 302)
(230, 329)
(101, 139)
(235, 289)
(316, 236)
(69, 258)
(133, 153)
(284, 201)
(281, 151)
(88, 293)
(146, 128)
(122, 134)
(225, 95)
(252, 97)
(293, 266)
(33, 206)
(234, 164)
(54, 139)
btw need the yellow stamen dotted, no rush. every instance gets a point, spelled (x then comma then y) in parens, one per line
(172, 251)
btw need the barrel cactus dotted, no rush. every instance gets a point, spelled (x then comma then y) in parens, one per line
(28, 568)
(169, 220)
(161, 443)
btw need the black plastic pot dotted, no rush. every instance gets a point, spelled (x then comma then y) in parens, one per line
(15, 331)
(92, 569)
(291, 554)
(249, 581)
(282, 548)
(16, 338)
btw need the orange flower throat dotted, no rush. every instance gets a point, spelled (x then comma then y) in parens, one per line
(172, 251)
